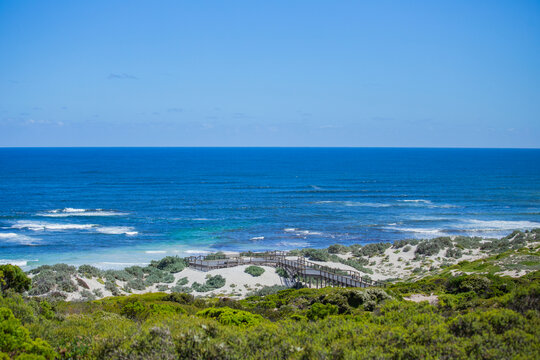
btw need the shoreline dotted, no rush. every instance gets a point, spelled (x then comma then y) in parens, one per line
(403, 260)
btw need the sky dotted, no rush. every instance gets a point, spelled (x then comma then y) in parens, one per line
(270, 73)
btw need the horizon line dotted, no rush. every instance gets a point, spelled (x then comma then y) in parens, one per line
(265, 147)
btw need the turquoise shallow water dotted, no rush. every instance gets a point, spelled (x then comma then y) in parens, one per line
(118, 206)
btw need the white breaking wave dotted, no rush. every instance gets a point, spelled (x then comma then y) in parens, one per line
(354, 203)
(116, 230)
(156, 252)
(41, 226)
(197, 252)
(19, 239)
(45, 226)
(499, 225)
(417, 201)
(257, 238)
(301, 232)
(412, 202)
(20, 262)
(419, 231)
(80, 212)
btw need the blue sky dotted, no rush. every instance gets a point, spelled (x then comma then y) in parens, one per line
(270, 73)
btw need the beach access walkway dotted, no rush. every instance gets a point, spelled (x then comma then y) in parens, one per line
(307, 272)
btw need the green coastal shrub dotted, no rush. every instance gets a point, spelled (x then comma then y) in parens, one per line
(182, 281)
(373, 249)
(254, 270)
(181, 298)
(228, 316)
(320, 311)
(402, 243)
(136, 284)
(338, 249)
(13, 278)
(171, 264)
(212, 283)
(89, 271)
(455, 253)
(15, 340)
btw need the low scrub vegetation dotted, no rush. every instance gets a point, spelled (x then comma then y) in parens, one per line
(476, 316)
(254, 270)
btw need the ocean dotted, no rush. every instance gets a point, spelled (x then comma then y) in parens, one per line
(115, 207)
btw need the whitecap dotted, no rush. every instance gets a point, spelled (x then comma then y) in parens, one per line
(45, 226)
(18, 238)
(156, 252)
(19, 262)
(66, 212)
(197, 252)
(116, 230)
(417, 201)
(499, 225)
(299, 232)
(257, 238)
(42, 226)
(419, 231)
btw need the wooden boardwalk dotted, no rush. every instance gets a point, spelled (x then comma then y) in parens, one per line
(309, 273)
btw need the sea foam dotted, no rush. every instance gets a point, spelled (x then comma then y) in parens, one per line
(16, 262)
(45, 226)
(41, 226)
(116, 230)
(66, 212)
(499, 225)
(18, 239)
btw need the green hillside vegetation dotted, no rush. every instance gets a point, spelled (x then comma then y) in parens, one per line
(480, 316)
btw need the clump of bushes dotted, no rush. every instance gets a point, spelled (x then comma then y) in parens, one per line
(211, 283)
(171, 264)
(338, 249)
(16, 342)
(455, 253)
(89, 271)
(13, 278)
(433, 246)
(227, 316)
(373, 249)
(254, 270)
(320, 311)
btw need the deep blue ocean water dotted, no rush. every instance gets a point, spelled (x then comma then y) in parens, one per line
(116, 206)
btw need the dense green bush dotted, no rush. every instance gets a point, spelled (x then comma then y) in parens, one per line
(212, 283)
(171, 264)
(254, 270)
(455, 253)
(13, 278)
(228, 316)
(475, 317)
(320, 311)
(15, 340)
(89, 271)
(338, 249)
(373, 249)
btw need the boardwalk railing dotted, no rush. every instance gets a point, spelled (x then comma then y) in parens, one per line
(305, 271)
